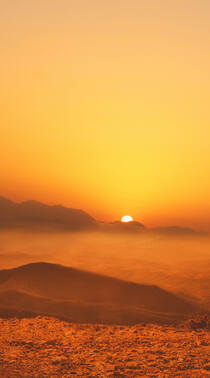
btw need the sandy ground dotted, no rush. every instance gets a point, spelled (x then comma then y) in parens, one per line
(47, 347)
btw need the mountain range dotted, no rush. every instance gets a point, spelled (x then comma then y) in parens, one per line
(36, 215)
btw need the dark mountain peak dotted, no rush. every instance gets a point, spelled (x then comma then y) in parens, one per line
(36, 214)
(32, 205)
(6, 201)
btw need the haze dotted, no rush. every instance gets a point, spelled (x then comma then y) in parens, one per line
(180, 265)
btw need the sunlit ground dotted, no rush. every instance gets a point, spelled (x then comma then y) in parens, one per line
(51, 348)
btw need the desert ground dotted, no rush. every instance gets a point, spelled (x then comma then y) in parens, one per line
(48, 347)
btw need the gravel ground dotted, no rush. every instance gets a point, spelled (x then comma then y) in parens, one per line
(47, 347)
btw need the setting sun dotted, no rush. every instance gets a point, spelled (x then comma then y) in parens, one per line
(126, 218)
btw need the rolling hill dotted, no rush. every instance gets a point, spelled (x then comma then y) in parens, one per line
(80, 296)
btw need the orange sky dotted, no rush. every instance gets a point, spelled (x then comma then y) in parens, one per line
(105, 107)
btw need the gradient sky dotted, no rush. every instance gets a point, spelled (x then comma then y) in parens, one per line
(105, 107)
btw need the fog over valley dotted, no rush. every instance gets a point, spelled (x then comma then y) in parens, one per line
(180, 265)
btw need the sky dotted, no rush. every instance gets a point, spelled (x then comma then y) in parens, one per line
(105, 107)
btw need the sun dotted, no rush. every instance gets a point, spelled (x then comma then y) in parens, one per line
(126, 219)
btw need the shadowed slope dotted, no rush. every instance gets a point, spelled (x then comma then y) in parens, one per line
(74, 294)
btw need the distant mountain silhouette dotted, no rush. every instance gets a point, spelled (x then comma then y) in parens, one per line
(139, 228)
(176, 231)
(119, 226)
(36, 214)
(81, 296)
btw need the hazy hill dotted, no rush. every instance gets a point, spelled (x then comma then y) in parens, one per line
(87, 297)
(36, 214)
(176, 231)
(138, 228)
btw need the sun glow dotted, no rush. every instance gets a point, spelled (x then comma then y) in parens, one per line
(126, 218)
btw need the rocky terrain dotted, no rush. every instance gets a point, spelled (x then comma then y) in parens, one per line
(47, 347)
